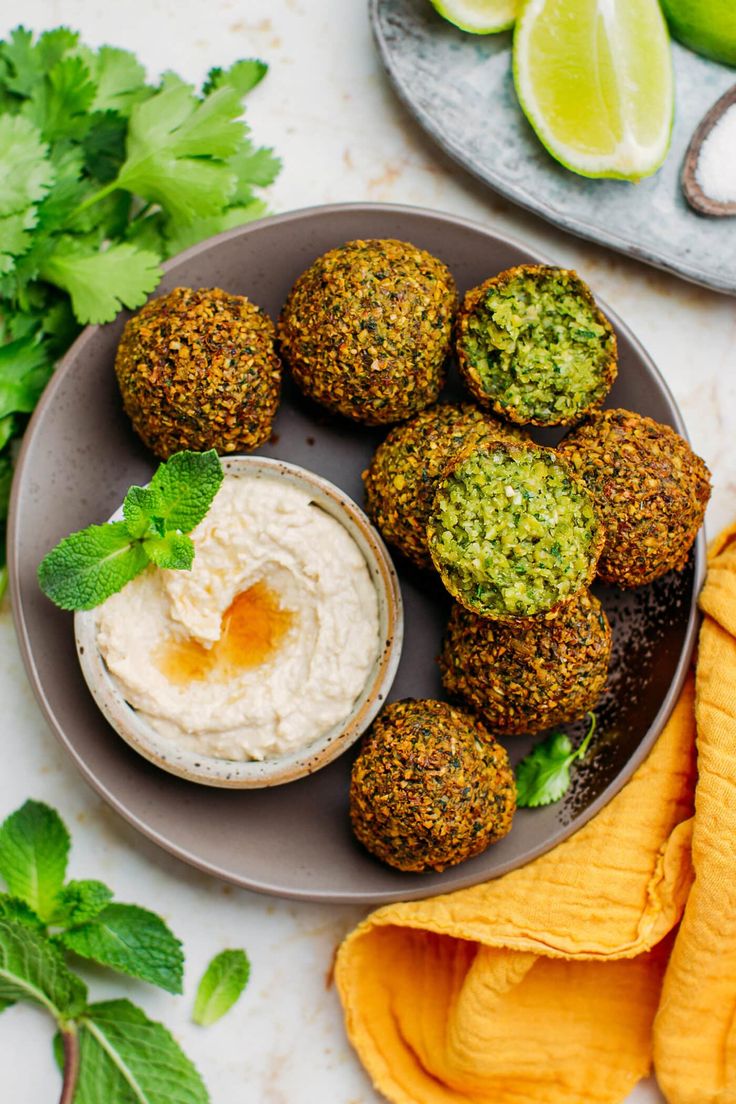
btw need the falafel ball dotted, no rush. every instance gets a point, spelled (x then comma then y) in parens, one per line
(430, 787)
(526, 677)
(533, 346)
(513, 532)
(197, 369)
(402, 478)
(366, 329)
(650, 490)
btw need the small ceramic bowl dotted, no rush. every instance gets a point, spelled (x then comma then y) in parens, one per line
(211, 771)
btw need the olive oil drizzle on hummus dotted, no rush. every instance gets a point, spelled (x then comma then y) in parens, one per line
(253, 627)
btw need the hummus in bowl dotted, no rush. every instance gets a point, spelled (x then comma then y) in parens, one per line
(272, 655)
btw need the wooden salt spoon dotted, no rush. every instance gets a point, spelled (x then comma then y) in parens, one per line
(693, 192)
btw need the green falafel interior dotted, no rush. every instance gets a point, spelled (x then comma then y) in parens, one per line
(538, 346)
(512, 533)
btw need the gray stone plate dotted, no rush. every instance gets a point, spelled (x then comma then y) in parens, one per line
(460, 89)
(80, 456)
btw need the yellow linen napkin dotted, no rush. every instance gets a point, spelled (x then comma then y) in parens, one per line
(539, 987)
(695, 1029)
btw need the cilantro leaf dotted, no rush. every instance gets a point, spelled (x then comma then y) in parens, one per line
(25, 171)
(78, 902)
(31, 969)
(179, 236)
(34, 848)
(128, 1059)
(15, 238)
(120, 81)
(184, 488)
(242, 76)
(24, 63)
(253, 166)
(131, 940)
(24, 371)
(87, 567)
(173, 551)
(100, 283)
(176, 146)
(543, 776)
(104, 146)
(222, 984)
(59, 103)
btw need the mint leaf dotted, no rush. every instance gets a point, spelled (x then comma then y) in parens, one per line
(79, 901)
(26, 173)
(184, 487)
(128, 1059)
(222, 983)
(34, 848)
(174, 551)
(131, 940)
(87, 567)
(543, 776)
(12, 908)
(31, 969)
(242, 76)
(101, 283)
(176, 146)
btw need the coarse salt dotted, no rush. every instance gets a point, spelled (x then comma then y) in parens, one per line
(716, 168)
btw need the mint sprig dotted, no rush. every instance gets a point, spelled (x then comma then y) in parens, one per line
(220, 987)
(543, 776)
(87, 567)
(109, 1051)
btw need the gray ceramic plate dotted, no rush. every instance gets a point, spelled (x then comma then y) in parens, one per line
(79, 457)
(460, 88)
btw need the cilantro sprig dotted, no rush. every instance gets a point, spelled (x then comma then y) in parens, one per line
(106, 1050)
(87, 567)
(543, 776)
(103, 175)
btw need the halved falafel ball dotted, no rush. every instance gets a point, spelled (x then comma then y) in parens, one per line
(401, 481)
(650, 489)
(513, 533)
(430, 787)
(532, 345)
(526, 677)
(366, 329)
(197, 369)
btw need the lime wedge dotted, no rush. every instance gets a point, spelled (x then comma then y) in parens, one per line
(479, 16)
(594, 78)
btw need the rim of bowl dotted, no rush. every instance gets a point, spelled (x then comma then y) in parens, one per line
(209, 770)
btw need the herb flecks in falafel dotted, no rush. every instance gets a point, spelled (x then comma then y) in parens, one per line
(512, 532)
(401, 481)
(197, 369)
(533, 345)
(366, 329)
(430, 787)
(650, 489)
(528, 676)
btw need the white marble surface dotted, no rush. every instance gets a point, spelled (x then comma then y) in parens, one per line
(327, 108)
